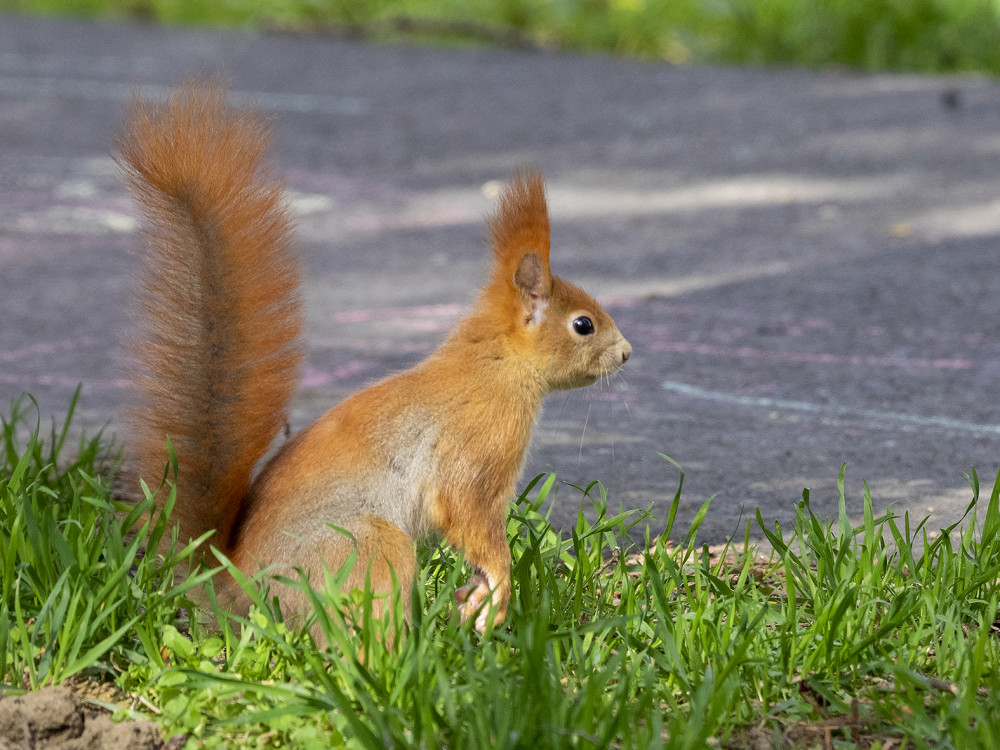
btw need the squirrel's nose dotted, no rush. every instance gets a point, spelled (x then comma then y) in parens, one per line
(626, 352)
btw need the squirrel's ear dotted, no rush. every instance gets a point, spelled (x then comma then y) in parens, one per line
(532, 283)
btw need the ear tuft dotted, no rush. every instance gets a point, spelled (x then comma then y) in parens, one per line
(520, 223)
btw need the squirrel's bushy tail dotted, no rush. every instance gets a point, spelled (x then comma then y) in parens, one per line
(214, 360)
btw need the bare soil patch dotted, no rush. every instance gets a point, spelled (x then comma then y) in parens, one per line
(56, 718)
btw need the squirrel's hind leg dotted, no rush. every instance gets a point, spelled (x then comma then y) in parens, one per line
(385, 565)
(386, 562)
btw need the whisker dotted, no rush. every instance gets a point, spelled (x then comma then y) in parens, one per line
(583, 434)
(614, 422)
(565, 403)
(628, 387)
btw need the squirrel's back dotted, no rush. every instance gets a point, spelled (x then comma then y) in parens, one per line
(214, 357)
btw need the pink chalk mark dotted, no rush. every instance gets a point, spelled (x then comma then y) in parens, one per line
(399, 313)
(61, 381)
(45, 347)
(368, 346)
(315, 378)
(799, 326)
(853, 360)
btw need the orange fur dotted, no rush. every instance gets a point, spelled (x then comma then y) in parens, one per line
(437, 448)
(217, 357)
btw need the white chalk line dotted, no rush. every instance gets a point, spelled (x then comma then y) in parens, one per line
(36, 87)
(874, 417)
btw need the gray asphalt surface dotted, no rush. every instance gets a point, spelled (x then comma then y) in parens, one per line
(805, 262)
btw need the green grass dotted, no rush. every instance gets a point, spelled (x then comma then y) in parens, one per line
(869, 633)
(921, 35)
(75, 593)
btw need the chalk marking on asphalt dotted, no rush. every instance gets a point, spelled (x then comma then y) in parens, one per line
(44, 347)
(627, 290)
(31, 382)
(115, 91)
(815, 358)
(763, 189)
(874, 416)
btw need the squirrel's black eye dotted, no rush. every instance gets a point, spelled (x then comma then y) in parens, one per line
(583, 325)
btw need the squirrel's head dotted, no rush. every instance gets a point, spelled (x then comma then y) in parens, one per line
(563, 332)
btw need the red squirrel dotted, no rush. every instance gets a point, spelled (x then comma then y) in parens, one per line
(434, 449)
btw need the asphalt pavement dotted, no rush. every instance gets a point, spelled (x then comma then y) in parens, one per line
(806, 263)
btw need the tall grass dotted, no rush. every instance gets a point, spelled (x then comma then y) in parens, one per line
(922, 35)
(850, 632)
(76, 595)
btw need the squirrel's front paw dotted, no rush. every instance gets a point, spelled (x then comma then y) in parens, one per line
(479, 598)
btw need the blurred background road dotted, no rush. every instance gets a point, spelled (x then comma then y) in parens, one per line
(805, 262)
